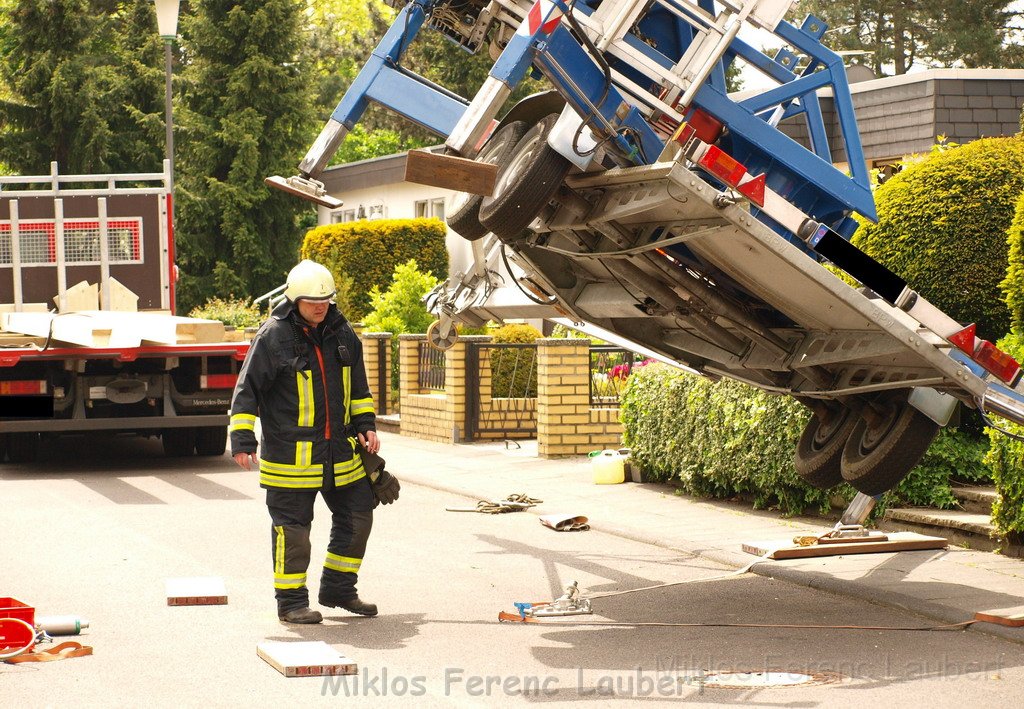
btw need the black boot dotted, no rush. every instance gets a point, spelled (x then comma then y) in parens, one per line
(306, 616)
(360, 607)
(353, 605)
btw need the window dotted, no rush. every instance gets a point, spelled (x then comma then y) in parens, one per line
(430, 208)
(343, 215)
(38, 241)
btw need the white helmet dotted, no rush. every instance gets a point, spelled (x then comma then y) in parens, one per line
(309, 280)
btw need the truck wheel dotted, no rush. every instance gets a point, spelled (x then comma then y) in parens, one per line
(465, 207)
(525, 185)
(178, 441)
(882, 450)
(820, 449)
(22, 447)
(211, 440)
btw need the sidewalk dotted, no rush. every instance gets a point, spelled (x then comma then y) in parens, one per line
(947, 586)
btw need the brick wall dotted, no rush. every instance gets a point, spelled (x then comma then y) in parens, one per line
(377, 362)
(565, 422)
(566, 425)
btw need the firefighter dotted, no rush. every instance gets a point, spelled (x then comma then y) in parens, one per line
(303, 377)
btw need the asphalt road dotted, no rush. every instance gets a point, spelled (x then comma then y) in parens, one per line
(95, 529)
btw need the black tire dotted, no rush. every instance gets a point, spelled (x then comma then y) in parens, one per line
(820, 450)
(465, 207)
(178, 441)
(211, 440)
(22, 447)
(878, 455)
(525, 185)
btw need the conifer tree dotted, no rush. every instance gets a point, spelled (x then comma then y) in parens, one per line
(245, 113)
(81, 86)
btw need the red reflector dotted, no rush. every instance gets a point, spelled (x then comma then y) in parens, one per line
(683, 135)
(753, 189)
(708, 128)
(31, 386)
(997, 362)
(965, 339)
(218, 381)
(721, 165)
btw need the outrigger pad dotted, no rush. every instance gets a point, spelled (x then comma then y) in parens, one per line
(305, 188)
(450, 172)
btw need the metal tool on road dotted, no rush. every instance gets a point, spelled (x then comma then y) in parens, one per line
(569, 603)
(512, 503)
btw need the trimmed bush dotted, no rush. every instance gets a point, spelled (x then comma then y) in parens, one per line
(942, 226)
(1013, 284)
(367, 252)
(1006, 458)
(726, 439)
(400, 309)
(234, 312)
(514, 370)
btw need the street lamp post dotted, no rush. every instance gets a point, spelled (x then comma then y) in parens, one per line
(167, 25)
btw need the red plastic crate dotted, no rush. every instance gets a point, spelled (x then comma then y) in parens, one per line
(14, 635)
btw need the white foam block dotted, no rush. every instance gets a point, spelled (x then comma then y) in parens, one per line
(305, 659)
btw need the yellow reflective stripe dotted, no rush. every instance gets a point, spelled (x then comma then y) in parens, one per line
(242, 422)
(279, 551)
(289, 580)
(349, 465)
(304, 383)
(342, 563)
(286, 469)
(304, 454)
(346, 385)
(342, 480)
(276, 481)
(362, 406)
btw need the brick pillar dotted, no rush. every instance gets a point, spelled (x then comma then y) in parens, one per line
(455, 383)
(377, 360)
(408, 366)
(563, 397)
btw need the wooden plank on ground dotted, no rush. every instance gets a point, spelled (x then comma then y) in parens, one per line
(305, 659)
(1010, 617)
(450, 172)
(196, 591)
(898, 541)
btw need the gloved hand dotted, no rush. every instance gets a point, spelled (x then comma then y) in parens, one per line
(385, 487)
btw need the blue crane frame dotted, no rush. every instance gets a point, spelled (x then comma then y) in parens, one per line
(805, 177)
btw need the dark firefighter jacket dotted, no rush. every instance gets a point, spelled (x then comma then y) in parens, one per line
(308, 386)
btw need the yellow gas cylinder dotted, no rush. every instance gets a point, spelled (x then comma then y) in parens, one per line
(609, 467)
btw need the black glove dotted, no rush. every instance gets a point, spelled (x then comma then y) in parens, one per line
(385, 487)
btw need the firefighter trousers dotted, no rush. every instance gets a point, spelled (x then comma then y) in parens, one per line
(291, 516)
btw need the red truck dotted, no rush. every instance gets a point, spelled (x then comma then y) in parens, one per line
(146, 372)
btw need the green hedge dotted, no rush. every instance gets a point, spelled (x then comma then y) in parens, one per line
(365, 253)
(514, 371)
(725, 439)
(1013, 284)
(942, 226)
(1006, 458)
(236, 312)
